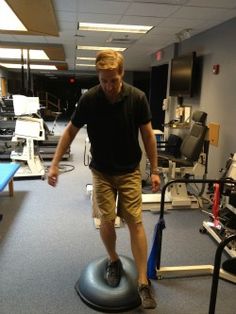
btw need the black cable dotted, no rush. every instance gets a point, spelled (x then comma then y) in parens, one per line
(63, 168)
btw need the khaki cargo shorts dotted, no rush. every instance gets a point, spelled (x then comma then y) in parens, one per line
(119, 195)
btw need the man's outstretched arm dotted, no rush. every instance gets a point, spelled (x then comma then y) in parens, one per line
(62, 146)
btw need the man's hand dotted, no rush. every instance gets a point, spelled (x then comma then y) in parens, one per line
(53, 175)
(156, 181)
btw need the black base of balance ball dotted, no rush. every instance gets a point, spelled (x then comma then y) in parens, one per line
(94, 291)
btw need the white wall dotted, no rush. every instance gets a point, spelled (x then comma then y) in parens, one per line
(218, 92)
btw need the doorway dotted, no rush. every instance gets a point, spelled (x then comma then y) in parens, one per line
(158, 90)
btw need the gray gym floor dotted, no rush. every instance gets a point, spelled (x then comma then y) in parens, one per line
(47, 237)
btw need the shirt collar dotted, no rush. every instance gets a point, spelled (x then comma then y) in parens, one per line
(123, 93)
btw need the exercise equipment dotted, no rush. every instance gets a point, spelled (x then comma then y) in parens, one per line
(222, 221)
(18, 108)
(155, 271)
(94, 291)
(6, 107)
(27, 130)
(30, 130)
(192, 163)
(216, 272)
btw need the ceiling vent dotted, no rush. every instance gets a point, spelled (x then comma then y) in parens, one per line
(121, 40)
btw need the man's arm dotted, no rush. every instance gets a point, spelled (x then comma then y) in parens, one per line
(149, 141)
(62, 146)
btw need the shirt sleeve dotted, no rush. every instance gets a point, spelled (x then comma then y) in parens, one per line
(79, 116)
(144, 112)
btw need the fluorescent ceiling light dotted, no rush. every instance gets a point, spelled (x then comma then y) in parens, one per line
(42, 67)
(99, 48)
(8, 19)
(15, 53)
(32, 66)
(36, 55)
(121, 28)
(86, 58)
(85, 65)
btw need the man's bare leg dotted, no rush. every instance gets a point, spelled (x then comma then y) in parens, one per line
(113, 266)
(139, 249)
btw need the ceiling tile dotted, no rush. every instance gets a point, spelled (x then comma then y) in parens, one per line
(150, 9)
(100, 6)
(205, 13)
(98, 18)
(167, 16)
(230, 4)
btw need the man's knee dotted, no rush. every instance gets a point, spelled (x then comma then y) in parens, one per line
(107, 223)
(135, 226)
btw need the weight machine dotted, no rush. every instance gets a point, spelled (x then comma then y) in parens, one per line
(192, 164)
(222, 221)
(27, 131)
(155, 271)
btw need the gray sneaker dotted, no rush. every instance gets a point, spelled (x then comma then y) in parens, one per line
(113, 273)
(148, 302)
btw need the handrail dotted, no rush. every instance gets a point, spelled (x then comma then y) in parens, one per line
(216, 272)
(50, 100)
(221, 246)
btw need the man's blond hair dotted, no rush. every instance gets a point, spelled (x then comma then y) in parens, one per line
(110, 60)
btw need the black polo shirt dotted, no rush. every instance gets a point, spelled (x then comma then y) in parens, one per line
(113, 128)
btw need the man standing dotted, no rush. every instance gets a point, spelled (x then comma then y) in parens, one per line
(114, 113)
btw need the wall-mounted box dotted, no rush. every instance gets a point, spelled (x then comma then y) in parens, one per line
(214, 132)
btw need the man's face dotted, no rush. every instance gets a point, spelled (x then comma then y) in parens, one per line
(111, 83)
